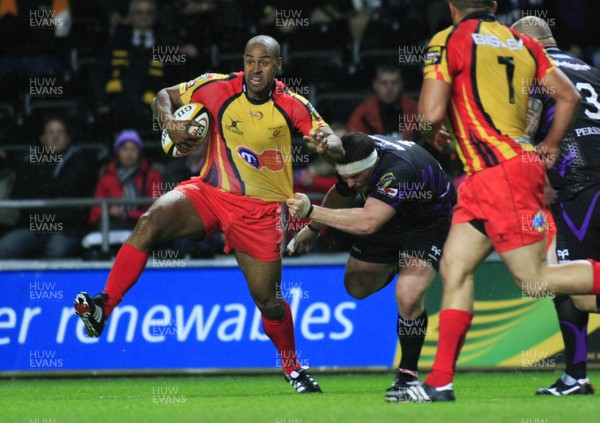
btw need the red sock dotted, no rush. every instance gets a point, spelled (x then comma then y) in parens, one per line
(126, 270)
(281, 333)
(596, 269)
(454, 325)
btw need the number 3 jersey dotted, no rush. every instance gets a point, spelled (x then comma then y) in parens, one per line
(249, 150)
(578, 166)
(491, 68)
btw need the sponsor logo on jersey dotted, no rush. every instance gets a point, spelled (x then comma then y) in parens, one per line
(590, 130)
(190, 84)
(207, 75)
(313, 111)
(493, 41)
(433, 55)
(575, 66)
(271, 159)
(435, 253)
(389, 192)
(386, 180)
(258, 115)
(276, 131)
(233, 127)
(563, 255)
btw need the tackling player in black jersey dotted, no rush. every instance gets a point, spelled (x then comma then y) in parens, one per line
(400, 230)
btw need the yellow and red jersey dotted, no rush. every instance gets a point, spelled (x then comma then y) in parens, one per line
(249, 150)
(491, 68)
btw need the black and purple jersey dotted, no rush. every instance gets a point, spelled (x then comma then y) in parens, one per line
(410, 180)
(578, 166)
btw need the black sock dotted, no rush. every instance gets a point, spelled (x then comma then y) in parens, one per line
(411, 334)
(573, 325)
(598, 303)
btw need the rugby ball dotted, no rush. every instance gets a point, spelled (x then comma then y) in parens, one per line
(196, 112)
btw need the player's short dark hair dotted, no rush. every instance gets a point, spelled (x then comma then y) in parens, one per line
(472, 4)
(357, 146)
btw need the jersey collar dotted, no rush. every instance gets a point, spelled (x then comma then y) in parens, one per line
(253, 101)
(482, 15)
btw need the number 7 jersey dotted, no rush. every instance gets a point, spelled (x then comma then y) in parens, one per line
(491, 69)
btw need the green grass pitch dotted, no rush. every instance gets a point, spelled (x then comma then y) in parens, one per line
(481, 398)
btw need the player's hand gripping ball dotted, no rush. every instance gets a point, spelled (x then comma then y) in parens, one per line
(198, 114)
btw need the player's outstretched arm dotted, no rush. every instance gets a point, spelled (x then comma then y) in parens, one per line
(562, 90)
(334, 200)
(304, 240)
(356, 221)
(433, 103)
(326, 143)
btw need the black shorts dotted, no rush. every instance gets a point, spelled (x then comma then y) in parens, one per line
(421, 243)
(578, 226)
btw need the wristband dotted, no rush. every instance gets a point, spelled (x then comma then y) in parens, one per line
(310, 210)
(313, 229)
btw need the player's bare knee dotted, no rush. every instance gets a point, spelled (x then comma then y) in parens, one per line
(445, 267)
(146, 224)
(452, 273)
(450, 276)
(146, 230)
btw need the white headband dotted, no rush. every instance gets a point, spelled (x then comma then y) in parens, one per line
(357, 166)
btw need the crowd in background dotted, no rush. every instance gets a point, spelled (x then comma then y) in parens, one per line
(77, 79)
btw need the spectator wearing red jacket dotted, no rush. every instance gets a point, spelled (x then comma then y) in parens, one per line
(128, 176)
(388, 111)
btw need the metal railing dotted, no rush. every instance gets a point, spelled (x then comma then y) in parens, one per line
(79, 202)
(104, 204)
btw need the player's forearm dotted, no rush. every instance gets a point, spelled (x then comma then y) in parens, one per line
(163, 105)
(534, 116)
(564, 116)
(162, 108)
(432, 118)
(562, 90)
(433, 103)
(335, 150)
(332, 200)
(354, 221)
